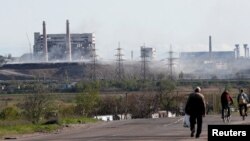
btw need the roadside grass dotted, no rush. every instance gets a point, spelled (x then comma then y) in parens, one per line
(9, 128)
(26, 129)
(18, 127)
(78, 120)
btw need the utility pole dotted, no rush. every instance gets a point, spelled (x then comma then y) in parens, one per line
(144, 63)
(171, 62)
(119, 64)
(93, 63)
(126, 106)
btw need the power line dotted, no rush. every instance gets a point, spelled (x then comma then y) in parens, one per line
(93, 63)
(144, 63)
(119, 63)
(171, 62)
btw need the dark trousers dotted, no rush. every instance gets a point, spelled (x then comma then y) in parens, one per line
(242, 107)
(196, 119)
(224, 107)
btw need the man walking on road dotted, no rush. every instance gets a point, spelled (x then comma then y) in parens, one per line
(196, 108)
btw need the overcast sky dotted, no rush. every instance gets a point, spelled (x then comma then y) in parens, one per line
(184, 24)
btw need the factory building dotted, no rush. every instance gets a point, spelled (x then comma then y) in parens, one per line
(206, 56)
(148, 52)
(62, 47)
(208, 64)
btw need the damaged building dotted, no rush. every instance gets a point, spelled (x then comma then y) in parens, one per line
(62, 47)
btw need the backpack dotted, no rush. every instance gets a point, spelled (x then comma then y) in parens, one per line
(242, 99)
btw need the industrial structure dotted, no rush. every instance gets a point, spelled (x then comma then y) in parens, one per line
(62, 47)
(214, 64)
(147, 55)
(237, 51)
(62, 50)
(171, 63)
(119, 64)
(148, 52)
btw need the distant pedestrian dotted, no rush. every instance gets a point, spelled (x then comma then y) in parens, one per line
(196, 108)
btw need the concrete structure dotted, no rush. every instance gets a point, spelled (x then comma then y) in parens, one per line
(148, 52)
(68, 42)
(246, 50)
(62, 47)
(237, 51)
(203, 67)
(104, 117)
(224, 65)
(163, 114)
(210, 47)
(45, 45)
(205, 56)
(211, 64)
(124, 116)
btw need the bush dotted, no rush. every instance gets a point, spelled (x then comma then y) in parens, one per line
(35, 106)
(67, 110)
(10, 113)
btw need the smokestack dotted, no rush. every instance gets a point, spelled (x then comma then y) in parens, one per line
(210, 46)
(45, 45)
(237, 51)
(68, 41)
(132, 56)
(245, 50)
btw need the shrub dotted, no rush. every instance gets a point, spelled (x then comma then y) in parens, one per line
(67, 110)
(10, 113)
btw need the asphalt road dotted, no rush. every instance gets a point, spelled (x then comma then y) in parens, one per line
(162, 129)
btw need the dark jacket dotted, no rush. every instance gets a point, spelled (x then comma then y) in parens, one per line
(195, 104)
(226, 99)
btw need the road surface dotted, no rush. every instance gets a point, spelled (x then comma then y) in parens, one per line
(162, 129)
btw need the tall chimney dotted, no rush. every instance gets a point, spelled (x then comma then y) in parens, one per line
(237, 49)
(132, 55)
(68, 42)
(210, 47)
(247, 52)
(245, 49)
(45, 45)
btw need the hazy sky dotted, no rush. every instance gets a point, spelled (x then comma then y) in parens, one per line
(184, 24)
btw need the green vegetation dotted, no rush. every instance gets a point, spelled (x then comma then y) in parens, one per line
(17, 127)
(14, 128)
(43, 111)
(77, 120)
(88, 100)
(10, 113)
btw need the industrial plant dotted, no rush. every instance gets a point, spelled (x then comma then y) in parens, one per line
(60, 53)
(62, 47)
(148, 52)
(215, 64)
